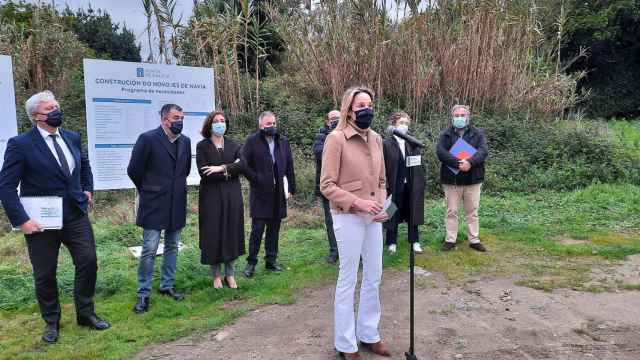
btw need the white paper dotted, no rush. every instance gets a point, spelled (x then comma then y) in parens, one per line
(46, 210)
(285, 183)
(414, 160)
(136, 251)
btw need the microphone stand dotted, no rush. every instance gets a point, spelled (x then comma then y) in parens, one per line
(410, 355)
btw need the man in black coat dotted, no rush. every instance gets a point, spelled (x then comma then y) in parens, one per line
(405, 183)
(159, 166)
(465, 183)
(268, 160)
(318, 146)
(48, 161)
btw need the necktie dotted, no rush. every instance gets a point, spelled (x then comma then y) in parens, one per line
(63, 160)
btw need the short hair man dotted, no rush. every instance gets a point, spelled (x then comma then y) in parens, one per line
(330, 123)
(159, 166)
(465, 184)
(269, 160)
(48, 161)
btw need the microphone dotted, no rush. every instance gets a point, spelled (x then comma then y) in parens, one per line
(406, 137)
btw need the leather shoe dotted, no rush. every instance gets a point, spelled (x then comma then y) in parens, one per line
(448, 246)
(94, 322)
(50, 334)
(142, 305)
(379, 348)
(478, 247)
(274, 267)
(249, 270)
(350, 356)
(172, 294)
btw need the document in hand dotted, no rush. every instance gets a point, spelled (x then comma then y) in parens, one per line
(46, 210)
(461, 150)
(389, 207)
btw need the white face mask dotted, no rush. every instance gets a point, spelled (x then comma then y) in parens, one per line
(403, 128)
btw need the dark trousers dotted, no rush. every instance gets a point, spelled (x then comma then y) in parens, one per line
(328, 222)
(77, 235)
(270, 242)
(403, 214)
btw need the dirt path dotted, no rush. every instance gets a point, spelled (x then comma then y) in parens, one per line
(490, 319)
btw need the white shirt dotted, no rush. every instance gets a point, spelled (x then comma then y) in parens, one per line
(272, 147)
(401, 144)
(402, 150)
(65, 150)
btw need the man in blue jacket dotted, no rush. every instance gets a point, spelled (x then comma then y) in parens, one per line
(159, 166)
(48, 161)
(269, 159)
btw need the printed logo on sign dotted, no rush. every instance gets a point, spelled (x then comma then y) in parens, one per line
(140, 72)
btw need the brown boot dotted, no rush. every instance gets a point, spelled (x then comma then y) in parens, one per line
(379, 348)
(350, 356)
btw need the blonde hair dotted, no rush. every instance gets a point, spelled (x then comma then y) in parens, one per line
(347, 101)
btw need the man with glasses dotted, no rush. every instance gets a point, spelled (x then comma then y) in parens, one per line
(159, 166)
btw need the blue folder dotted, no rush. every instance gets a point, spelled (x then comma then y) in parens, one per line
(461, 150)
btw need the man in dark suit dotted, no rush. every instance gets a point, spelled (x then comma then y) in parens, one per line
(318, 146)
(48, 161)
(269, 159)
(159, 166)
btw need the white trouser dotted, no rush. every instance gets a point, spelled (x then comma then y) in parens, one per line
(357, 236)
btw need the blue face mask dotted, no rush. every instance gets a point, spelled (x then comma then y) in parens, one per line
(176, 127)
(219, 128)
(54, 118)
(459, 122)
(364, 118)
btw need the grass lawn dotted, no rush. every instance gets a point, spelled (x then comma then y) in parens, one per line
(545, 240)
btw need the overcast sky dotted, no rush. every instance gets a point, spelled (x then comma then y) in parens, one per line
(129, 12)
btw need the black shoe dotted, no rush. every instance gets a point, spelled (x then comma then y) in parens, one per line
(332, 258)
(478, 247)
(249, 270)
(94, 322)
(447, 246)
(142, 306)
(274, 267)
(50, 334)
(172, 294)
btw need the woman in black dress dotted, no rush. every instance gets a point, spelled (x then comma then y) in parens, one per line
(221, 214)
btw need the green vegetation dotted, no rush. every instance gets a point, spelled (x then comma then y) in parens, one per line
(523, 233)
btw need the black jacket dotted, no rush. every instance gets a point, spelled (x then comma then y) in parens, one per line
(476, 138)
(318, 147)
(159, 169)
(267, 198)
(416, 179)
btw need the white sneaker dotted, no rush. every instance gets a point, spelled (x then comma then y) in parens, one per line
(417, 248)
(392, 249)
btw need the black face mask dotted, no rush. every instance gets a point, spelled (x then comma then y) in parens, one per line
(176, 127)
(269, 131)
(364, 118)
(54, 118)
